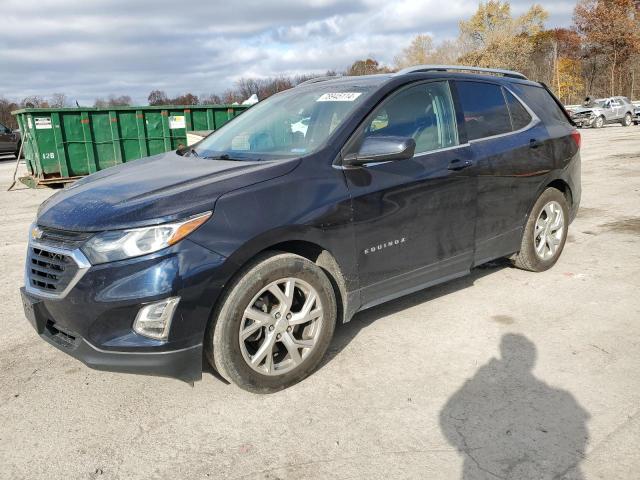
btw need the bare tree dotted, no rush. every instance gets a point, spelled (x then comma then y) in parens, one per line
(58, 100)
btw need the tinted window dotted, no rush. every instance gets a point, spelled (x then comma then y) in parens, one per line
(485, 110)
(520, 118)
(424, 112)
(541, 102)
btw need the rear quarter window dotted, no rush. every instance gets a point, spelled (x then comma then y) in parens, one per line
(520, 117)
(542, 104)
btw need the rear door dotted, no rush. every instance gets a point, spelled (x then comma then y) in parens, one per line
(616, 109)
(512, 155)
(413, 219)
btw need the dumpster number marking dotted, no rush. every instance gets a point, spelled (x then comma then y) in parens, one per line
(48, 156)
(42, 123)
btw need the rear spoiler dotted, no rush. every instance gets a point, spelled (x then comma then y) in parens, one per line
(559, 103)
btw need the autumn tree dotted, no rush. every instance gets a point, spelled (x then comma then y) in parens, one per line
(368, 66)
(609, 28)
(185, 99)
(492, 37)
(417, 53)
(158, 97)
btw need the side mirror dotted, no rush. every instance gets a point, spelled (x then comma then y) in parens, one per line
(382, 149)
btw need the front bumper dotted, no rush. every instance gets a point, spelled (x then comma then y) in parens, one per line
(184, 364)
(583, 121)
(93, 321)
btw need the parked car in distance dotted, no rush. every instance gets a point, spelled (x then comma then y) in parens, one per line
(636, 113)
(251, 245)
(9, 140)
(603, 111)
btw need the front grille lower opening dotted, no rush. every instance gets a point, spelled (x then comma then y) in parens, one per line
(59, 334)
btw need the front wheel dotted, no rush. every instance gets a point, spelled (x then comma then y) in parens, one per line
(598, 122)
(274, 324)
(627, 121)
(545, 232)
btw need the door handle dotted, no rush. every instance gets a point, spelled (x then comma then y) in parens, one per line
(457, 164)
(533, 143)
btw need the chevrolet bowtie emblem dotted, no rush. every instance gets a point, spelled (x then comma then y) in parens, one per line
(36, 233)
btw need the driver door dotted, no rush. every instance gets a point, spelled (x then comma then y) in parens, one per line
(413, 219)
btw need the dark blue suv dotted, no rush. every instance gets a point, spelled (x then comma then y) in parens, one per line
(322, 201)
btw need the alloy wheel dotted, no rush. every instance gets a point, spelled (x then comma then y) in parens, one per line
(549, 230)
(281, 326)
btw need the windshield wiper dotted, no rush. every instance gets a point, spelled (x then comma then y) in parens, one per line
(226, 156)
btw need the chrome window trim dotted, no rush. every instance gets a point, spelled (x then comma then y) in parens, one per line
(76, 255)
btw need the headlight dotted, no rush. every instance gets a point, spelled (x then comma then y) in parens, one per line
(120, 244)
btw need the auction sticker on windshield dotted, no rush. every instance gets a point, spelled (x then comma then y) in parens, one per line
(339, 97)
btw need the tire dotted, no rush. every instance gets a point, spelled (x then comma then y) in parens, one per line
(286, 362)
(627, 121)
(598, 122)
(540, 259)
(17, 152)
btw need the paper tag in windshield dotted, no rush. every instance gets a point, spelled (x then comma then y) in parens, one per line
(339, 97)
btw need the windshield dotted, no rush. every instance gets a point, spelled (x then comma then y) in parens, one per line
(595, 103)
(291, 124)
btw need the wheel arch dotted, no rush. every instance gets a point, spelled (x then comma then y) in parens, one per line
(297, 245)
(563, 186)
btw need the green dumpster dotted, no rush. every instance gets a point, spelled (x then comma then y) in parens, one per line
(63, 144)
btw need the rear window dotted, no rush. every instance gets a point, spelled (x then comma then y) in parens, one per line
(485, 110)
(541, 102)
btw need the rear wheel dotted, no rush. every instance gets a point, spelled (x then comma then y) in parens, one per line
(598, 122)
(17, 152)
(274, 325)
(545, 232)
(627, 120)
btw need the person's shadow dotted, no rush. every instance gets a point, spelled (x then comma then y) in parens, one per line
(507, 424)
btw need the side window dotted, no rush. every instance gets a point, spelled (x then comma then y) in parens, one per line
(485, 110)
(520, 118)
(424, 112)
(542, 103)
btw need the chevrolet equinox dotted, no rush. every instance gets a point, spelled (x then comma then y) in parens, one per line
(321, 201)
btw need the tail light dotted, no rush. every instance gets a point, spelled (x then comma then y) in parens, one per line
(576, 138)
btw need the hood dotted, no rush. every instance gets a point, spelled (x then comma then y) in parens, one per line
(151, 191)
(582, 110)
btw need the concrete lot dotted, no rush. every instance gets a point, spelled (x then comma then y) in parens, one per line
(417, 388)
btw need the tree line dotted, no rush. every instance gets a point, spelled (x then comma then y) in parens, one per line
(597, 55)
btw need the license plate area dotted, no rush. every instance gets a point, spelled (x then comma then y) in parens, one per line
(30, 306)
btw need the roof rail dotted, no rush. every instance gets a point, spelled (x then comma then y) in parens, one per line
(317, 79)
(463, 68)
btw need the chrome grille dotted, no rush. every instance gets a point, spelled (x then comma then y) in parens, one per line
(49, 271)
(55, 263)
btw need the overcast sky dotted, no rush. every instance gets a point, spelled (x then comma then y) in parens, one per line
(93, 48)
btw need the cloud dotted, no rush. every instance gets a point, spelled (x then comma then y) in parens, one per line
(90, 49)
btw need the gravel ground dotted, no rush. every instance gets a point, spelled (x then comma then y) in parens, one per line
(504, 374)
